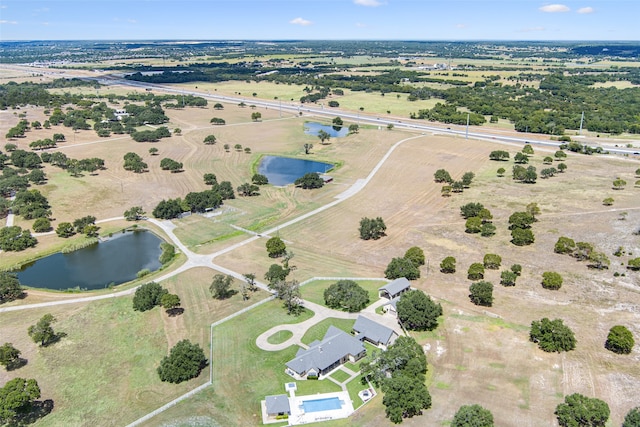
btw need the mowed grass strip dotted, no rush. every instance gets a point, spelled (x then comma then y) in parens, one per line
(243, 374)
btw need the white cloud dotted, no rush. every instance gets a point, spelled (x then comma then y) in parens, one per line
(3, 6)
(461, 25)
(5, 22)
(42, 10)
(300, 21)
(587, 9)
(553, 8)
(369, 3)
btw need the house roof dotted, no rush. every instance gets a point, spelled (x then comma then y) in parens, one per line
(396, 286)
(394, 303)
(321, 354)
(277, 404)
(373, 331)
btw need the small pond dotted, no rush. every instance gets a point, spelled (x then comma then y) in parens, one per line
(283, 170)
(312, 128)
(116, 261)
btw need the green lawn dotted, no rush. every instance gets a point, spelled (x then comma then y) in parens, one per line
(340, 376)
(245, 373)
(314, 291)
(317, 331)
(280, 337)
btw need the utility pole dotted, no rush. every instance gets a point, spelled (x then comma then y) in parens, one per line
(581, 122)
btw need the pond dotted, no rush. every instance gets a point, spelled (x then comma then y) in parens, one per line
(312, 128)
(116, 261)
(284, 170)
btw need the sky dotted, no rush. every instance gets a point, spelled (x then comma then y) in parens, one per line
(319, 20)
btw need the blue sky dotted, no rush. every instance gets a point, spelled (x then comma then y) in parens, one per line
(319, 19)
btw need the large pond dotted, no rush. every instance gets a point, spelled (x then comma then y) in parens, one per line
(312, 128)
(115, 261)
(284, 171)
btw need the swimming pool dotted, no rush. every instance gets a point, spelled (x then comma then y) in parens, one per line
(327, 404)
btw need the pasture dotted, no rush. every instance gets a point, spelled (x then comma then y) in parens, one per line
(104, 371)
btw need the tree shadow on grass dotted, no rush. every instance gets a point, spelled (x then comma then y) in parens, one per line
(17, 364)
(56, 338)
(34, 412)
(173, 312)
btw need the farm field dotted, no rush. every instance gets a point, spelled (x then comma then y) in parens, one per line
(477, 355)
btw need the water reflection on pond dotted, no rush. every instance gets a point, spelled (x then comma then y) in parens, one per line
(312, 128)
(115, 261)
(283, 170)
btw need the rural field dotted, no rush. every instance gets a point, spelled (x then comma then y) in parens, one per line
(104, 371)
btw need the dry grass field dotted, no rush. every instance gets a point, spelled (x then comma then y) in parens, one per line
(477, 355)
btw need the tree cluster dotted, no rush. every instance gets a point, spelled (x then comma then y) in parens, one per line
(309, 181)
(14, 238)
(372, 228)
(400, 372)
(185, 361)
(417, 311)
(10, 287)
(552, 335)
(582, 251)
(170, 165)
(346, 295)
(148, 296)
(579, 410)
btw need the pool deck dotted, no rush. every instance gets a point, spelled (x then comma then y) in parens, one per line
(299, 417)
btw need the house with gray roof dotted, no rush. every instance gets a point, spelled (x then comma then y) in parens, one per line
(377, 334)
(391, 307)
(394, 289)
(277, 405)
(337, 347)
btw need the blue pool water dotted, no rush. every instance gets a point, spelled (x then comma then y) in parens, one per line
(327, 404)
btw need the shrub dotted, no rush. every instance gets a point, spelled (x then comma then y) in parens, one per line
(564, 245)
(476, 271)
(415, 255)
(552, 335)
(143, 272)
(516, 268)
(632, 419)
(620, 340)
(481, 293)
(492, 261)
(520, 237)
(551, 280)
(448, 265)
(276, 247)
(508, 278)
